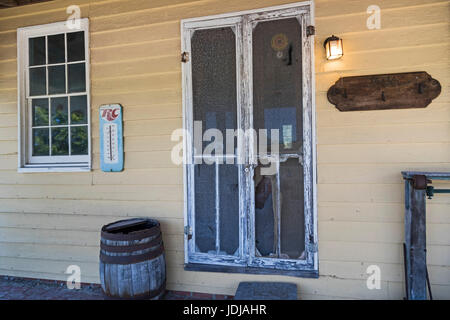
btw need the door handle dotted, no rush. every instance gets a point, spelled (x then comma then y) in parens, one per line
(249, 166)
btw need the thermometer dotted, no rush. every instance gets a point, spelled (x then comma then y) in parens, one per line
(111, 139)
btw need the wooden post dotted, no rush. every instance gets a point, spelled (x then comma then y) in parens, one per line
(415, 240)
(415, 231)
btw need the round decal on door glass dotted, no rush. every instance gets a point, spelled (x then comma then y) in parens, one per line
(279, 42)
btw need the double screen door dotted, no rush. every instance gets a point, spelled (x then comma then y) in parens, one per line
(247, 81)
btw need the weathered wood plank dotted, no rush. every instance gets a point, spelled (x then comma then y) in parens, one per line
(153, 176)
(69, 237)
(138, 83)
(384, 91)
(161, 48)
(147, 97)
(136, 67)
(369, 173)
(97, 192)
(384, 134)
(329, 117)
(385, 153)
(327, 8)
(8, 108)
(154, 127)
(378, 212)
(94, 223)
(405, 17)
(140, 33)
(36, 17)
(157, 209)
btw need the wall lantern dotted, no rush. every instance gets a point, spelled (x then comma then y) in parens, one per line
(333, 47)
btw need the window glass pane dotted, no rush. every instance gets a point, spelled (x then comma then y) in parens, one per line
(78, 109)
(38, 81)
(56, 49)
(79, 140)
(36, 51)
(77, 77)
(40, 142)
(214, 79)
(228, 209)
(292, 212)
(56, 79)
(60, 142)
(59, 111)
(205, 208)
(39, 109)
(277, 81)
(75, 46)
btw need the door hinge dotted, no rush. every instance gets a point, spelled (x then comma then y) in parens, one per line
(188, 232)
(310, 31)
(185, 57)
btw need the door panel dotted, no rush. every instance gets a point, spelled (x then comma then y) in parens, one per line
(277, 104)
(217, 224)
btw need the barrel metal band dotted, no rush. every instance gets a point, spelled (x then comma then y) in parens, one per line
(131, 248)
(132, 258)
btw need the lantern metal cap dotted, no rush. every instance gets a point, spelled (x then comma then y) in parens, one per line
(332, 38)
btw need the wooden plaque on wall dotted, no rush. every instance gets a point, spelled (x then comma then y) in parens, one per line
(384, 91)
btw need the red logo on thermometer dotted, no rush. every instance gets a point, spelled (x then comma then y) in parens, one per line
(110, 114)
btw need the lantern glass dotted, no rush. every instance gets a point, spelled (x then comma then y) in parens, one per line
(334, 48)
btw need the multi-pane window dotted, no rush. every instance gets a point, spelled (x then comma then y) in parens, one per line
(250, 208)
(55, 100)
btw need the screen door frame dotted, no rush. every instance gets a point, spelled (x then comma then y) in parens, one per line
(191, 254)
(250, 22)
(243, 23)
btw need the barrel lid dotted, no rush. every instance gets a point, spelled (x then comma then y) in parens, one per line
(125, 224)
(131, 229)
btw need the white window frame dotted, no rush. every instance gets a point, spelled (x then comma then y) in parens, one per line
(27, 162)
(243, 23)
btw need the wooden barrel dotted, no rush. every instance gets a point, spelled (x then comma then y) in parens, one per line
(132, 262)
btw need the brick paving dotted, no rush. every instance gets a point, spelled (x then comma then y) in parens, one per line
(13, 288)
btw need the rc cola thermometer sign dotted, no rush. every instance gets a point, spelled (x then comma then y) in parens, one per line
(111, 138)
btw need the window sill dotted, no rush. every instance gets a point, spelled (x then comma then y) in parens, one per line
(52, 169)
(236, 269)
